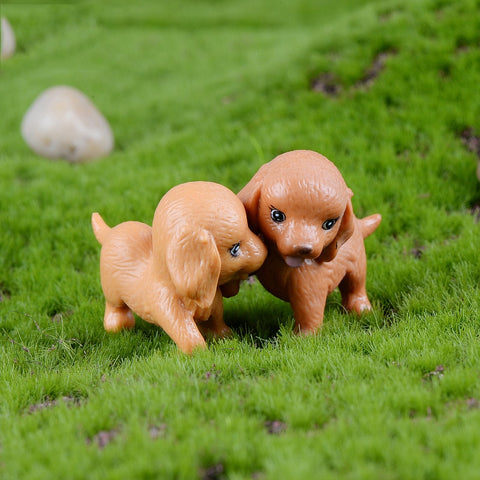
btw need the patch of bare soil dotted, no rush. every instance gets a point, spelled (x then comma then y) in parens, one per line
(417, 252)
(437, 373)
(157, 431)
(470, 140)
(375, 69)
(103, 438)
(326, 83)
(275, 427)
(475, 212)
(472, 403)
(5, 293)
(49, 403)
(214, 472)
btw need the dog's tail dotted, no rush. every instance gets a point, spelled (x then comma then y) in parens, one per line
(100, 228)
(369, 224)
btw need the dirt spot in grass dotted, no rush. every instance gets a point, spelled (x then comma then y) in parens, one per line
(464, 43)
(471, 140)
(228, 99)
(375, 69)
(326, 83)
(214, 472)
(212, 374)
(413, 414)
(475, 212)
(104, 437)
(417, 252)
(42, 405)
(386, 14)
(258, 475)
(157, 431)
(5, 293)
(49, 403)
(437, 373)
(60, 316)
(462, 48)
(473, 403)
(275, 427)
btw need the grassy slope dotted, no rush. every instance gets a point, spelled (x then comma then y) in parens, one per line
(211, 91)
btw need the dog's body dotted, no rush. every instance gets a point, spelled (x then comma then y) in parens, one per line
(173, 273)
(301, 207)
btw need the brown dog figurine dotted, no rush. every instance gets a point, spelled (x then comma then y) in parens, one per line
(301, 207)
(173, 274)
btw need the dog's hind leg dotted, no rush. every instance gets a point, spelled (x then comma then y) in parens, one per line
(117, 318)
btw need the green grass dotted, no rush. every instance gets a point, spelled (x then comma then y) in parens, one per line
(210, 90)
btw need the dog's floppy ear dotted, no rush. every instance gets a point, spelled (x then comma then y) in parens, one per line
(249, 195)
(194, 265)
(344, 233)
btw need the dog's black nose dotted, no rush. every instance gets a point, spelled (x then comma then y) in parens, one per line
(304, 250)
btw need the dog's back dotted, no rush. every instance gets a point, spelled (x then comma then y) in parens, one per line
(126, 254)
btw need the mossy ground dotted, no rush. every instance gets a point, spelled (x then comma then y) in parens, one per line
(210, 90)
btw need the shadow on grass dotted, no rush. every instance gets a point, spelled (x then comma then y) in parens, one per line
(262, 323)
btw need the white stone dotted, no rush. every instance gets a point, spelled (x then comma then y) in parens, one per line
(63, 123)
(8, 39)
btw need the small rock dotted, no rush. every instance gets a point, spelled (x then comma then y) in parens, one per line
(63, 123)
(8, 39)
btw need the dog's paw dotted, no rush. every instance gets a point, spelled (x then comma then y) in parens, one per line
(117, 319)
(358, 304)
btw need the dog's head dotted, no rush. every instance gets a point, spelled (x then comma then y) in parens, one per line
(301, 205)
(201, 237)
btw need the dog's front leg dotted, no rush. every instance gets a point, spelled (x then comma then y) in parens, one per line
(176, 318)
(215, 325)
(307, 298)
(183, 330)
(352, 287)
(354, 293)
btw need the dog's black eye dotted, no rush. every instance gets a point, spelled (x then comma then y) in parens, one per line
(235, 250)
(328, 224)
(277, 215)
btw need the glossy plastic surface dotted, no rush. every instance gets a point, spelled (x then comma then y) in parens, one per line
(173, 274)
(301, 207)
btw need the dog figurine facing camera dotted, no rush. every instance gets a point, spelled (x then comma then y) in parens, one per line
(301, 207)
(175, 273)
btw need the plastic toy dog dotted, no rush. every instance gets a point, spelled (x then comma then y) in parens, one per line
(302, 209)
(173, 274)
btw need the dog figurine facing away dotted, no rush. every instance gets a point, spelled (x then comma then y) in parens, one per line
(174, 273)
(301, 207)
